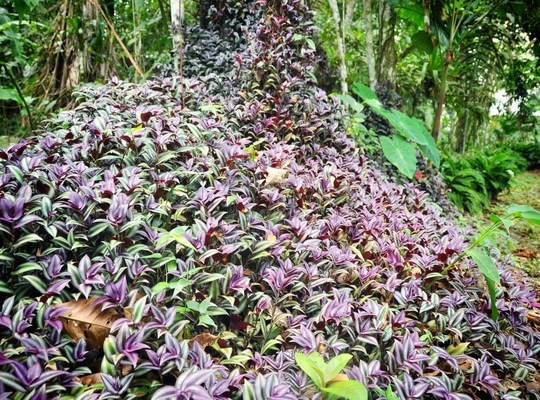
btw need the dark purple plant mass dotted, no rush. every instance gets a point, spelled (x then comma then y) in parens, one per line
(225, 222)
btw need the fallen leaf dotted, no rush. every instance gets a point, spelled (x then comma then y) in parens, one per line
(464, 364)
(88, 380)
(204, 340)
(533, 316)
(86, 319)
(275, 176)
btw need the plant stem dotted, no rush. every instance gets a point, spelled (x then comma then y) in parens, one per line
(20, 93)
(474, 244)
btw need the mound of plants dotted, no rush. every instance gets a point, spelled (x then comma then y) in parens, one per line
(188, 239)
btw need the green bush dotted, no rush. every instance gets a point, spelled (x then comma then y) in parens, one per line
(530, 152)
(466, 185)
(498, 166)
(475, 179)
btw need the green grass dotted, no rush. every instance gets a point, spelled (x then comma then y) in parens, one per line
(5, 141)
(524, 239)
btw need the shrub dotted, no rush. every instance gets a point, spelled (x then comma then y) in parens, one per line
(467, 186)
(530, 152)
(498, 166)
(475, 179)
(187, 239)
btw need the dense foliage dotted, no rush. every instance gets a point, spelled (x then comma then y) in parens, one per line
(476, 178)
(219, 226)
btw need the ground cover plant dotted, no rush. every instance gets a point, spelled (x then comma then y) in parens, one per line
(191, 239)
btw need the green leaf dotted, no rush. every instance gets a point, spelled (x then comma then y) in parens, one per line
(138, 309)
(28, 266)
(390, 395)
(36, 283)
(160, 287)
(17, 173)
(310, 368)
(422, 41)
(206, 320)
(485, 264)
(507, 223)
(458, 349)
(532, 217)
(335, 366)
(365, 92)
(493, 297)
(179, 285)
(527, 213)
(9, 94)
(351, 390)
(30, 238)
(400, 153)
(412, 128)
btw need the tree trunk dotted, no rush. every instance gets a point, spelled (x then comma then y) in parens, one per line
(460, 132)
(349, 13)
(442, 96)
(386, 62)
(341, 45)
(370, 55)
(177, 7)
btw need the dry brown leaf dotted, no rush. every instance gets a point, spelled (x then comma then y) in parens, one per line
(533, 316)
(464, 364)
(204, 340)
(339, 378)
(275, 176)
(88, 380)
(533, 386)
(86, 319)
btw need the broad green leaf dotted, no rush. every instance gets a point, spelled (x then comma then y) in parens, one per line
(422, 41)
(17, 173)
(400, 153)
(532, 217)
(365, 92)
(4, 288)
(179, 285)
(518, 209)
(412, 128)
(9, 94)
(351, 390)
(485, 264)
(310, 368)
(335, 366)
(181, 240)
(248, 391)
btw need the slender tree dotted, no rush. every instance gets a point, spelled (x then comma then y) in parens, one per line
(370, 54)
(177, 11)
(341, 45)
